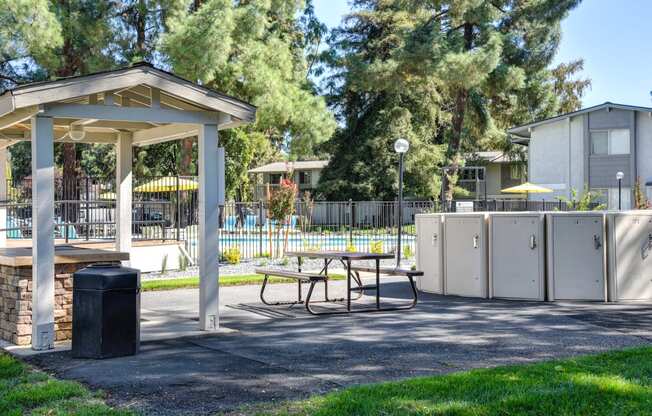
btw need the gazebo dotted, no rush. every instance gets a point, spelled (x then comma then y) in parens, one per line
(135, 106)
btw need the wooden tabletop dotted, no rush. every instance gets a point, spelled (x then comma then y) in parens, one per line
(345, 255)
(22, 256)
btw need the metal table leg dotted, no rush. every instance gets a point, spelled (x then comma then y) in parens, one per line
(348, 285)
(377, 283)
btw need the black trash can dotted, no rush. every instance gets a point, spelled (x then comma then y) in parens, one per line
(105, 311)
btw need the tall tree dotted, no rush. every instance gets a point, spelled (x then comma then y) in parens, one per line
(254, 50)
(484, 63)
(29, 32)
(86, 35)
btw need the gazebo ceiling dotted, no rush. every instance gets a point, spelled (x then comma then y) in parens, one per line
(161, 107)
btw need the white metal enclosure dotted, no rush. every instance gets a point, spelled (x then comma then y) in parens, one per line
(576, 256)
(629, 255)
(517, 256)
(465, 255)
(430, 253)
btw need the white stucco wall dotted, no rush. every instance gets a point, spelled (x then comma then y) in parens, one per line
(644, 147)
(549, 158)
(577, 179)
(493, 180)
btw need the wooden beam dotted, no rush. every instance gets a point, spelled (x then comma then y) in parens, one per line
(62, 136)
(155, 98)
(18, 116)
(151, 115)
(164, 133)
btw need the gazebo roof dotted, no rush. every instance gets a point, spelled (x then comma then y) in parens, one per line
(162, 106)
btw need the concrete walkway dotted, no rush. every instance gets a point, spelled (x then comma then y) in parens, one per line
(274, 354)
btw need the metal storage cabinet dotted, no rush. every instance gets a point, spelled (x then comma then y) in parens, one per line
(430, 252)
(629, 255)
(465, 255)
(576, 256)
(517, 256)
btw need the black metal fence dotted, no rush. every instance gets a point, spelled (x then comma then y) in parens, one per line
(166, 208)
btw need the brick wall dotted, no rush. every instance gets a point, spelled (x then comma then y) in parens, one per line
(16, 302)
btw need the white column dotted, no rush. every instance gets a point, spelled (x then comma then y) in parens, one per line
(208, 225)
(42, 233)
(123, 184)
(4, 160)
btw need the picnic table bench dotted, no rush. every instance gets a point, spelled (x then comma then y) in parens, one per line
(353, 275)
(300, 277)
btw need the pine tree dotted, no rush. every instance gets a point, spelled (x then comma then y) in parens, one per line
(472, 68)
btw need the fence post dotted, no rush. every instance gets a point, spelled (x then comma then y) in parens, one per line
(178, 219)
(260, 227)
(88, 226)
(350, 221)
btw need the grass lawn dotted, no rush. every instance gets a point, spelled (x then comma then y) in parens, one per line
(616, 383)
(193, 282)
(24, 391)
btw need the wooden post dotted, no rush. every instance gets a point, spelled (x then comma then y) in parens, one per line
(42, 233)
(208, 228)
(123, 185)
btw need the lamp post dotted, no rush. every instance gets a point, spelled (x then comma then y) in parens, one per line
(620, 177)
(400, 146)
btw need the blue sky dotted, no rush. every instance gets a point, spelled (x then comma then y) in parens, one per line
(613, 37)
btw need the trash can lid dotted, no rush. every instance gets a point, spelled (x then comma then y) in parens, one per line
(103, 276)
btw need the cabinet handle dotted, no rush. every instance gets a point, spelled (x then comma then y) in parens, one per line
(533, 242)
(596, 242)
(476, 239)
(434, 239)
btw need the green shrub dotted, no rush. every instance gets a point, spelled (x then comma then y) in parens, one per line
(407, 252)
(232, 255)
(350, 248)
(590, 200)
(285, 261)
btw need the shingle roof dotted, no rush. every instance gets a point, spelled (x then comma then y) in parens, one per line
(282, 167)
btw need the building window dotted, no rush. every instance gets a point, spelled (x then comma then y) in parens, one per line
(471, 173)
(275, 178)
(305, 178)
(610, 142)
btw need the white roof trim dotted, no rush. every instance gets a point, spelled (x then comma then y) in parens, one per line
(62, 89)
(523, 131)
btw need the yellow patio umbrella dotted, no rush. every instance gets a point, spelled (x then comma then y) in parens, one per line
(527, 188)
(168, 184)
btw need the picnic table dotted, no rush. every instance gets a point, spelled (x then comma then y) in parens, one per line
(352, 276)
